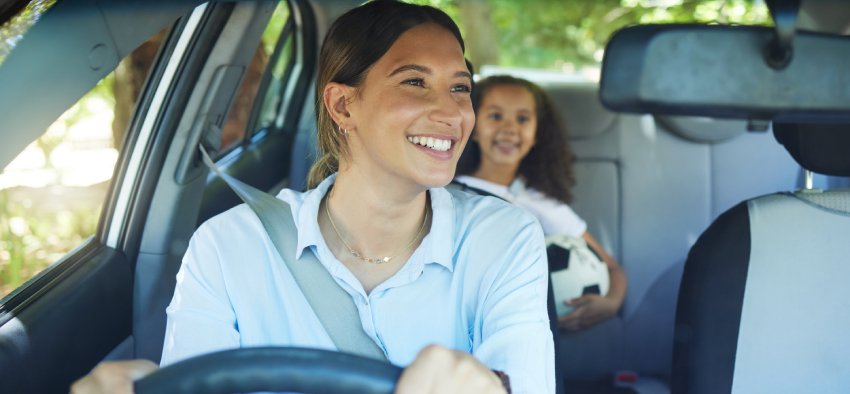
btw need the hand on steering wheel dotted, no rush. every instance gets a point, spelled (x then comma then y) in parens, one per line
(273, 369)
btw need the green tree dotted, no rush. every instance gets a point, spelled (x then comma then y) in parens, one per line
(563, 34)
(13, 30)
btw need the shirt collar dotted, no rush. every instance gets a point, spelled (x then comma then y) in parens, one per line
(308, 213)
(439, 243)
(437, 246)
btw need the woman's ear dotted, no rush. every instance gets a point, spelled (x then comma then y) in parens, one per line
(337, 97)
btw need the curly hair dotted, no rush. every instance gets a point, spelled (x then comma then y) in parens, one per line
(548, 167)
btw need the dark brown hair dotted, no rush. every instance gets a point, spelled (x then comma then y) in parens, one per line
(354, 43)
(548, 167)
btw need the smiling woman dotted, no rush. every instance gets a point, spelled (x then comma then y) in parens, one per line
(419, 89)
(448, 284)
(646, 186)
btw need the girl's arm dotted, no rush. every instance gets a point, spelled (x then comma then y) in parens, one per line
(592, 309)
(617, 289)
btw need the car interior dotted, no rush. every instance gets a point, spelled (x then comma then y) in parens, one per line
(741, 322)
(668, 186)
(757, 291)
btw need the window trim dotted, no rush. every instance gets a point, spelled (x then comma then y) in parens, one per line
(120, 213)
(44, 280)
(288, 29)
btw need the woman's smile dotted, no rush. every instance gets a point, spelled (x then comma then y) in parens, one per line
(438, 147)
(419, 91)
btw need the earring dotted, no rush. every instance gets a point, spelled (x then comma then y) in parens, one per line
(345, 132)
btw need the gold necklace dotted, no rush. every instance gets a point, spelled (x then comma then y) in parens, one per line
(376, 260)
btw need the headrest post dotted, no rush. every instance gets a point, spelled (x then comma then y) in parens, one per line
(810, 183)
(779, 52)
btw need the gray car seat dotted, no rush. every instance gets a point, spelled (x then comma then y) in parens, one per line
(647, 187)
(764, 300)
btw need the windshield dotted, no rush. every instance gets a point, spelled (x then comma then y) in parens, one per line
(568, 39)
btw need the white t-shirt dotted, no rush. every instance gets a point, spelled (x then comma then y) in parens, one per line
(554, 216)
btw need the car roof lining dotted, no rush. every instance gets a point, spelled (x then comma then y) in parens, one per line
(36, 91)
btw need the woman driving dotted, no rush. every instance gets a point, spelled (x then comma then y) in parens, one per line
(450, 285)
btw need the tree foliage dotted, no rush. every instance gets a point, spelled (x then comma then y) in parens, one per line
(566, 34)
(13, 30)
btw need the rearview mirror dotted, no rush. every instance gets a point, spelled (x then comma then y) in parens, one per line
(724, 72)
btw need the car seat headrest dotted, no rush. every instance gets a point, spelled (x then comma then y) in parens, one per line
(580, 108)
(821, 148)
(703, 130)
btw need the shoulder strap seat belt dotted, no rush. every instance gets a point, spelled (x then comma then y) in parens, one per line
(332, 304)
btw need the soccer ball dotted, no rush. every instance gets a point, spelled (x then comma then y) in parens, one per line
(576, 270)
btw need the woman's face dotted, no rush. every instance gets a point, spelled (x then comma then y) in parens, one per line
(413, 113)
(507, 125)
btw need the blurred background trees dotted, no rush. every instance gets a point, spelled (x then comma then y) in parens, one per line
(567, 35)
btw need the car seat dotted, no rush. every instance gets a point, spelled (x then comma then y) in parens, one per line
(763, 303)
(648, 186)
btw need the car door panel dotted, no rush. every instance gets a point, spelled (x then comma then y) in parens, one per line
(76, 318)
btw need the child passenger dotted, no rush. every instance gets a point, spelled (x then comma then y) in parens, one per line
(450, 286)
(520, 152)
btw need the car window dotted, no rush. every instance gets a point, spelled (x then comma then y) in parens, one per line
(268, 69)
(52, 193)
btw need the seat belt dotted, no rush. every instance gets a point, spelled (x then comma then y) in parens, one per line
(332, 304)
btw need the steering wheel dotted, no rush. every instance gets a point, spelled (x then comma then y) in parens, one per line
(286, 369)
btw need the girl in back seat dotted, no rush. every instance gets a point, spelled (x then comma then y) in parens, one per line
(449, 286)
(521, 154)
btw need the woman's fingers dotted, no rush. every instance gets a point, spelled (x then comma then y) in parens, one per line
(440, 370)
(113, 377)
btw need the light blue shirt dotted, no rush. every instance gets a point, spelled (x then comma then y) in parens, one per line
(476, 283)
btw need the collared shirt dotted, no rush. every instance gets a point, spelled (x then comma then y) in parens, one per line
(555, 216)
(476, 283)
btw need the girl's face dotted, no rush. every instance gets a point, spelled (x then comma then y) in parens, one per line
(413, 113)
(507, 125)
